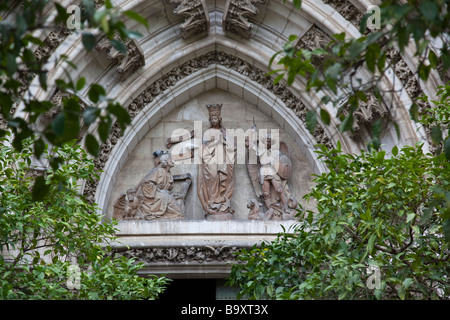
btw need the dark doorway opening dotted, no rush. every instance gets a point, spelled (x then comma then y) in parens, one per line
(190, 289)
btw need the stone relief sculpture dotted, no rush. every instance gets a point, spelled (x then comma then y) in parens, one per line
(181, 254)
(153, 198)
(127, 63)
(196, 17)
(255, 210)
(215, 177)
(235, 17)
(270, 177)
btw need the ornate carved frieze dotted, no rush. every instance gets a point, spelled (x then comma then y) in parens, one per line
(196, 17)
(236, 16)
(401, 69)
(182, 254)
(313, 38)
(369, 111)
(347, 10)
(127, 63)
(189, 67)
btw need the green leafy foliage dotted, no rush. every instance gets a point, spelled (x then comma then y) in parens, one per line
(335, 68)
(372, 210)
(41, 240)
(17, 58)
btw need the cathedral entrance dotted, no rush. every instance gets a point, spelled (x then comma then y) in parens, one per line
(199, 289)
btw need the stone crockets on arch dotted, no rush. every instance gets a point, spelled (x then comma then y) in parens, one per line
(216, 52)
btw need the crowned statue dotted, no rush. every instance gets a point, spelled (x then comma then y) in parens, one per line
(215, 177)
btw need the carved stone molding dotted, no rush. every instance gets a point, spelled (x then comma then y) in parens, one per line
(236, 16)
(127, 63)
(181, 255)
(347, 10)
(401, 69)
(189, 67)
(369, 111)
(366, 115)
(196, 17)
(313, 38)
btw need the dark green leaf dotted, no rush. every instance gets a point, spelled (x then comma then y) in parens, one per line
(39, 147)
(375, 143)
(92, 145)
(40, 189)
(21, 25)
(95, 92)
(5, 103)
(403, 38)
(339, 36)
(133, 34)
(119, 46)
(62, 14)
(347, 123)
(103, 129)
(429, 10)
(137, 17)
(424, 71)
(11, 64)
(371, 58)
(334, 70)
(446, 230)
(278, 78)
(43, 80)
(414, 112)
(58, 124)
(434, 60)
(120, 112)
(88, 40)
(311, 120)
(376, 128)
(363, 23)
(293, 37)
(395, 151)
(436, 134)
(325, 116)
(447, 148)
(80, 83)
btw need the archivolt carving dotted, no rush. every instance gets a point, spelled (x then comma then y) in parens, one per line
(401, 69)
(347, 10)
(182, 254)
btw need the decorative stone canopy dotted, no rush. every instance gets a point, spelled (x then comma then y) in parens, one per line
(178, 67)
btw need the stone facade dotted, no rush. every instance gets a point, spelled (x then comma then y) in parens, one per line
(205, 52)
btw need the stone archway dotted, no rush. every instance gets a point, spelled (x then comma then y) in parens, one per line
(180, 67)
